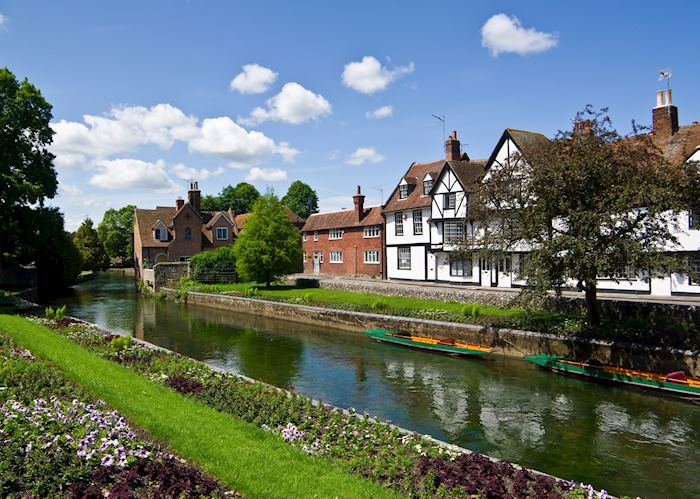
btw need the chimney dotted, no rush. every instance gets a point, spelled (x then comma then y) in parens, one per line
(581, 128)
(664, 115)
(194, 196)
(359, 200)
(179, 203)
(452, 148)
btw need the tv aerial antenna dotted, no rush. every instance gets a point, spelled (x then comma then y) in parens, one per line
(665, 75)
(381, 193)
(441, 119)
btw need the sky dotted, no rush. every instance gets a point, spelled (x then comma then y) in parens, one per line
(149, 95)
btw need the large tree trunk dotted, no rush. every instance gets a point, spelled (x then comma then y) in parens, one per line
(592, 308)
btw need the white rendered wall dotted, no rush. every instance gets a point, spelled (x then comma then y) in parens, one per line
(417, 270)
(408, 237)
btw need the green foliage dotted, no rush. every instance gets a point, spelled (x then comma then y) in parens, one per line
(301, 199)
(379, 304)
(148, 263)
(49, 313)
(217, 265)
(252, 292)
(92, 252)
(240, 198)
(270, 246)
(114, 233)
(471, 310)
(119, 343)
(60, 313)
(307, 297)
(58, 261)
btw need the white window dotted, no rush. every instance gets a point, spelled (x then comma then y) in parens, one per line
(694, 218)
(158, 234)
(305, 257)
(184, 258)
(694, 269)
(626, 272)
(404, 254)
(504, 265)
(449, 200)
(336, 257)
(315, 235)
(453, 231)
(427, 185)
(417, 222)
(403, 191)
(303, 235)
(371, 256)
(222, 233)
(371, 231)
(398, 224)
(461, 267)
(335, 234)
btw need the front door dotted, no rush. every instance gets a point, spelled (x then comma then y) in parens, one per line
(317, 263)
(485, 271)
(494, 275)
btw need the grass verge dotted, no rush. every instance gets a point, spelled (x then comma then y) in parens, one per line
(240, 455)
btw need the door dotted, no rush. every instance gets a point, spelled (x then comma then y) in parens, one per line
(317, 263)
(485, 272)
(494, 275)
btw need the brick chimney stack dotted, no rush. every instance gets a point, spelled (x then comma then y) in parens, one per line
(179, 203)
(452, 148)
(664, 115)
(194, 196)
(359, 200)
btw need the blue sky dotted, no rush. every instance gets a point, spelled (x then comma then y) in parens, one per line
(143, 96)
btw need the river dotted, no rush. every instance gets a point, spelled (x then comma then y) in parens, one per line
(625, 441)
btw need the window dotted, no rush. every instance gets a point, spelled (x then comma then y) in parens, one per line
(427, 185)
(626, 272)
(453, 231)
(398, 224)
(184, 258)
(336, 257)
(522, 264)
(303, 235)
(449, 200)
(417, 222)
(222, 233)
(188, 233)
(315, 235)
(318, 255)
(504, 264)
(371, 256)
(157, 234)
(694, 218)
(335, 234)
(694, 268)
(461, 267)
(371, 231)
(403, 191)
(304, 256)
(404, 254)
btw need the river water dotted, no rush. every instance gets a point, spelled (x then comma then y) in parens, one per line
(625, 441)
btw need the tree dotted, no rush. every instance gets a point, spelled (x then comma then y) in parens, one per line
(58, 261)
(301, 199)
(27, 175)
(270, 246)
(217, 265)
(241, 197)
(211, 203)
(91, 251)
(589, 204)
(115, 233)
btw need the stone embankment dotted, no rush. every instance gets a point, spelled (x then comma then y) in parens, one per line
(509, 341)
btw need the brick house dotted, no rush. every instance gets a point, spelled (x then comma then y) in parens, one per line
(348, 242)
(175, 233)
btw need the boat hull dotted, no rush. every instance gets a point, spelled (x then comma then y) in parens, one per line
(389, 337)
(641, 379)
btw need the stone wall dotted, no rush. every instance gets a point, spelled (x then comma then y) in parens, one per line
(168, 274)
(509, 342)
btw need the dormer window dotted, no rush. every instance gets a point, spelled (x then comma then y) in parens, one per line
(160, 232)
(222, 233)
(157, 234)
(427, 185)
(403, 191)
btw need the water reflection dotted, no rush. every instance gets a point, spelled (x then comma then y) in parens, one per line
(625, 441)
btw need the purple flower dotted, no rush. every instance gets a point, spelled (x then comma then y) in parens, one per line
(107, 460)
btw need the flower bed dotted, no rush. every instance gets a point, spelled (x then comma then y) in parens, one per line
(414, 465)
(55, 441)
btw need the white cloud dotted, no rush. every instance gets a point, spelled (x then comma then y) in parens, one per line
(133, 174)
(126, 129)
(69, 190)
(266, 174)
(503, 34)
(3, 22)
(254, 79)
(335, 154)
(364, 155)
(369, 76)
(188, 173)
(294, 104)
(379, 113)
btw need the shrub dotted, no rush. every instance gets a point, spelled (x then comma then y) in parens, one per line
(307, 297)
(304, 283)
(120, 343)
(379, 304)
(49, 313)
(218, 265)
(60, 313)
(471, 310)
(252, 292)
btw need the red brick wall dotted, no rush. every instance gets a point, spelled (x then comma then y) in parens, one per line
(180, 246)
(221, 222)
(353, 245)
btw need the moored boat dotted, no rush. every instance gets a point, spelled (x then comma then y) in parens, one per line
(448, 346)
(674, 383)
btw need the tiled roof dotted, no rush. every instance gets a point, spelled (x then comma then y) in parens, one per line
(526, 140)
(147, 218)
(415, 198)
(469, 172)
(679, 146)
(343, 219)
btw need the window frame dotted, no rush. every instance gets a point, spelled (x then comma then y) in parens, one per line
(418, 232)
(427, 188)
(218, 238)
(337, 253)
(398, 224)
(399, 258)
(372, 262)
(449, 198)
(315, 235)
(465, 264)
(304, 236)
(452, 239)
(369, 231)
(335, 234)
(694, 218)
(403, 191)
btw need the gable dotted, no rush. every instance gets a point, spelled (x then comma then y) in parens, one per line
(446, 181)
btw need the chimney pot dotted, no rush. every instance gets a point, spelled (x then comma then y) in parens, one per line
(452, 148)
(664, 115)
(359, 201)
(179, 203)
(194, 196)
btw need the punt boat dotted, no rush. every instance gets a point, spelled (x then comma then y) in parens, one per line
(447, 346)
(676, 382)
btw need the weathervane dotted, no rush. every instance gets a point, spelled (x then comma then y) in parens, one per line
(665, 74)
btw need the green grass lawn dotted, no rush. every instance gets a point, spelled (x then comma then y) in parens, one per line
(244, 457)
(325, 295)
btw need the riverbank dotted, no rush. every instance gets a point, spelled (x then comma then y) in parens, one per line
(511, 342)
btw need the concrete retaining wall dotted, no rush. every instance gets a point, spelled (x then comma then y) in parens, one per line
(510, 342)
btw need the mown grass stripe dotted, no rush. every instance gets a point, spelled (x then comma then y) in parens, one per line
(239, 454)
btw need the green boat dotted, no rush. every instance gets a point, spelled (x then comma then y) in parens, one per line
(447, 346)
(673, 383)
